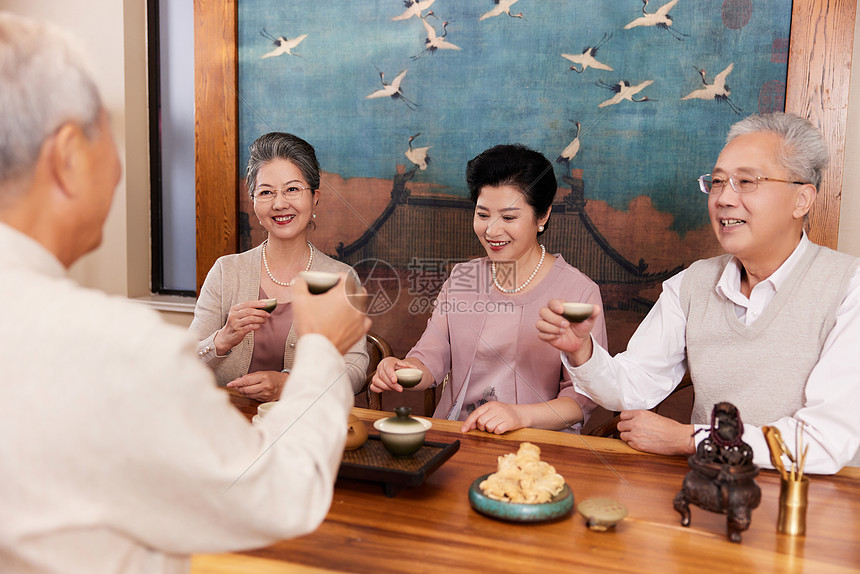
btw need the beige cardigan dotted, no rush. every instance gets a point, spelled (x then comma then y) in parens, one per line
(234, 279)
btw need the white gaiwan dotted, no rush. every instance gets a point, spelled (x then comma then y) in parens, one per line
(402, 435)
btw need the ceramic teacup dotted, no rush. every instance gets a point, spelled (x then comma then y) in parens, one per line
(319, 281)
(269, 305)
(408, 378)
(264, 408)
(577, 312)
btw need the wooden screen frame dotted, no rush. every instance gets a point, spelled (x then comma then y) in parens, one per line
(819, 73)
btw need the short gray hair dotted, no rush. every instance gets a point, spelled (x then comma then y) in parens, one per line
(279, 145)
(45, 84)
(803, 153)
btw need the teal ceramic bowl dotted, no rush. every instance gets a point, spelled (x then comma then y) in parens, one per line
(560, 505)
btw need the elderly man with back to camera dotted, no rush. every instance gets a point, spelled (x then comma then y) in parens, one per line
(119, 452)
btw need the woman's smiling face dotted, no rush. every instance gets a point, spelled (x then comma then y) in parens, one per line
(505, 223)
(283, 218)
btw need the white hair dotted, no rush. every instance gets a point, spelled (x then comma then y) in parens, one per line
(45, 84)
(803, 153)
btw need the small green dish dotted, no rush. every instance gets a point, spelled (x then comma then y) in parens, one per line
(560, 505)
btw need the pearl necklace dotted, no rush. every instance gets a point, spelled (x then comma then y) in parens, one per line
(523, 286)
(272, 277)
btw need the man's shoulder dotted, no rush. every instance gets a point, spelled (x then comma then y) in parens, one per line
(70, 314)
(832, 257)
(119, 314)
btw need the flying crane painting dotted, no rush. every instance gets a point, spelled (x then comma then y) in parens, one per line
(629, 99)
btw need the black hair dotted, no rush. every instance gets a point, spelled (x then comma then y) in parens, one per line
(518, 166)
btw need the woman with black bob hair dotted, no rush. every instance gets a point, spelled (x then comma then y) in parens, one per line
(482, 332)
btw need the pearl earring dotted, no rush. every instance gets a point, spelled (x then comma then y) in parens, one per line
(540, 227)
(315, 215)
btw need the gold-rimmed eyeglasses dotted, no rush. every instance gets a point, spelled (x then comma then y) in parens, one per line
(290, 192)
(740, 183)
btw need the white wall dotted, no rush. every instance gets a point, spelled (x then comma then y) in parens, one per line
(113, 34)
(103, 28)
(849, 216)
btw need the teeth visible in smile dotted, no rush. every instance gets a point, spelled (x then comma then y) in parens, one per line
(731, 222)
(497, 243)
(283, 217)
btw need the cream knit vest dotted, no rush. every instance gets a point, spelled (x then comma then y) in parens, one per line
(761, 368)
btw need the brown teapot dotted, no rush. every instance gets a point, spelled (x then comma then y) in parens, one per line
(356, 434)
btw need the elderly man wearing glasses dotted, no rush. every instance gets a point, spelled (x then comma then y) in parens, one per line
(772, 326)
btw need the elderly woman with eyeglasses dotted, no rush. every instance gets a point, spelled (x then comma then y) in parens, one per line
(249, 348)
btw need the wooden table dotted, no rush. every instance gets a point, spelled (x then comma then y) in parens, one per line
(432, 528)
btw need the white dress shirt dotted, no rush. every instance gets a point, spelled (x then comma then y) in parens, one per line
(656, 359)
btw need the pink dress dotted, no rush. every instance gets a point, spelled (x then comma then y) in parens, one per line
(487, 340)
(271, 338)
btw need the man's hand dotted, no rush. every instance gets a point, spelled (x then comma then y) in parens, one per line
(330, 314)
(572, 338)
(650, 432)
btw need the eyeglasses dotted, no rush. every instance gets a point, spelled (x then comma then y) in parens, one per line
(291, 192)
(740, 183)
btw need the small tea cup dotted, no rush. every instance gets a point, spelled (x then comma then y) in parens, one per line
(577, 312)
(319, 281)
(264, 408)
(269, 305)
(408, 378)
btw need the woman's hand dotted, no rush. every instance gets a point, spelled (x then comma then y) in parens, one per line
(495, 417)
(241, 320)
(385, 379)
(572, 338)
(263, 386)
